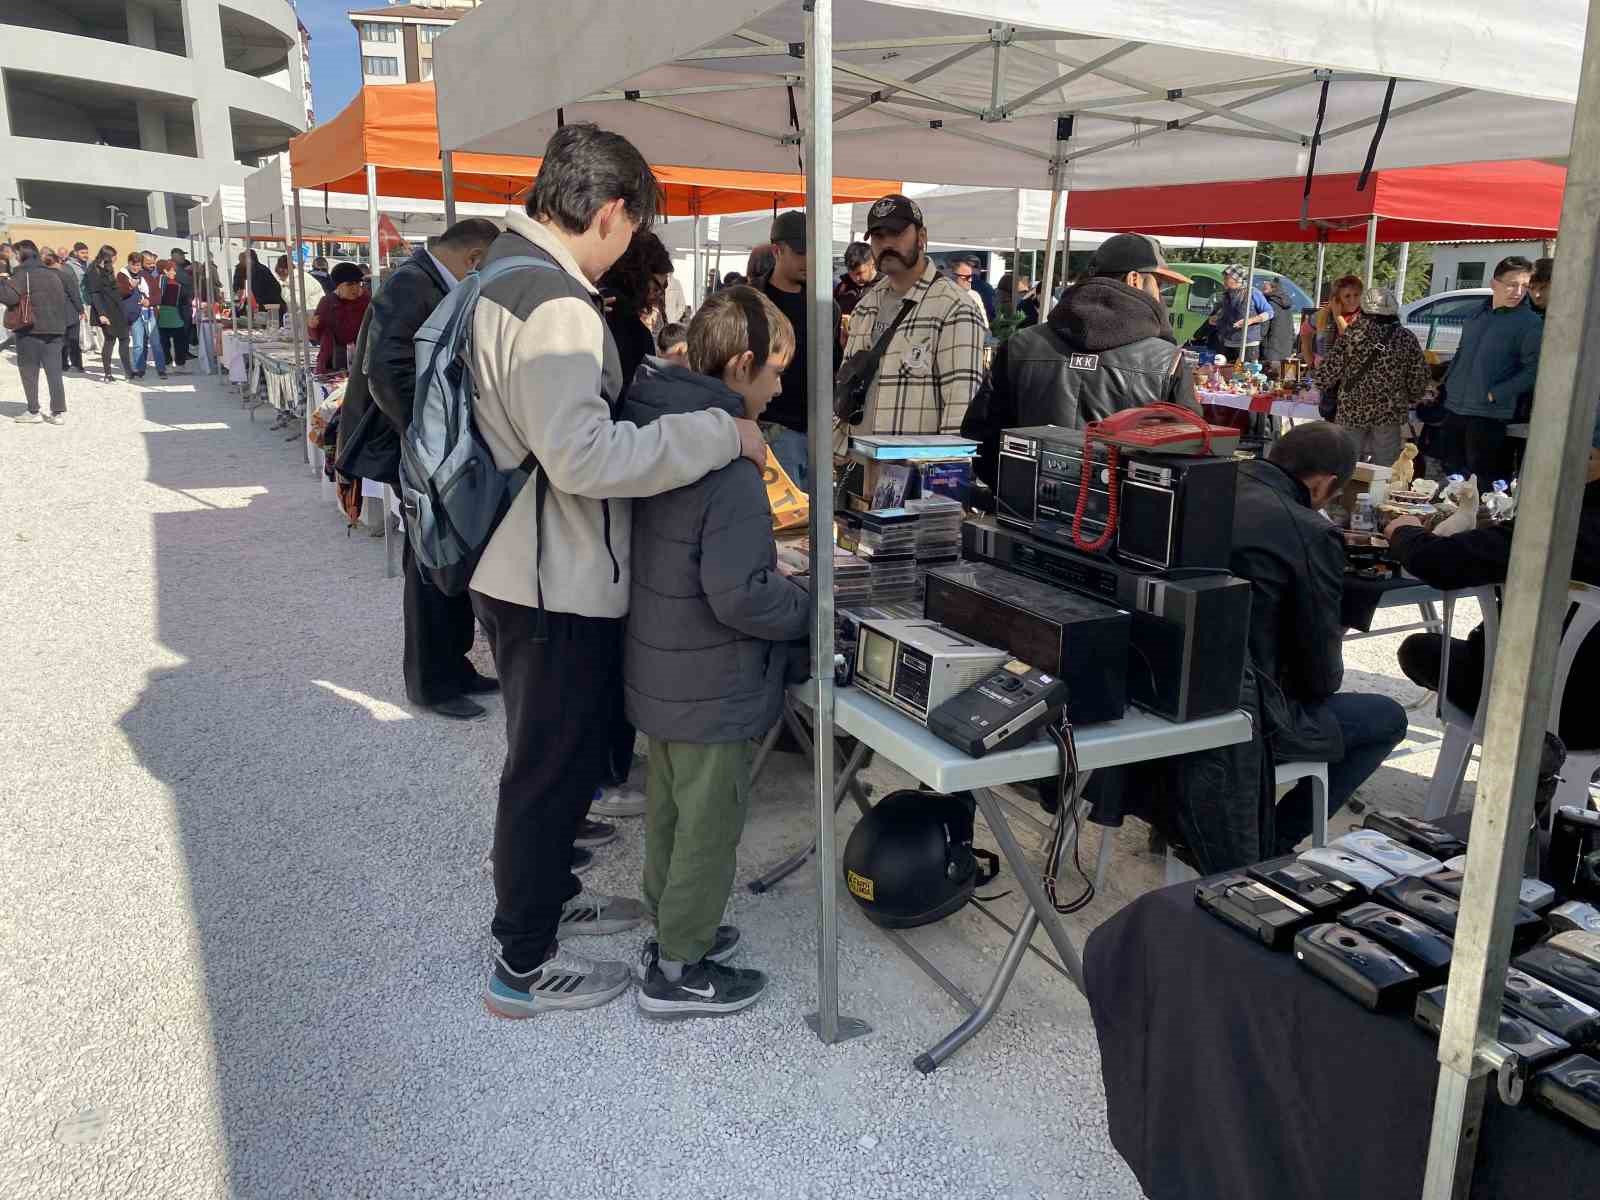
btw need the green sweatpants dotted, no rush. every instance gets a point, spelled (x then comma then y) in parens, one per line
(698, 800)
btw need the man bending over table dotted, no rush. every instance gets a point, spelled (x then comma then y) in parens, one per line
(1294, 560)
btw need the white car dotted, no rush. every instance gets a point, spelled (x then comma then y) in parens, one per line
(1437, 319)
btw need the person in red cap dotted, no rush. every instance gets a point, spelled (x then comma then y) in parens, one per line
(926, 336)
(1108, 345)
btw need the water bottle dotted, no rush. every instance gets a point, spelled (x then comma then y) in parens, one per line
(1363, 520)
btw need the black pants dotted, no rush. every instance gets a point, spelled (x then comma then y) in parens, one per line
(1422, 657)
(36, 352)
(120, 341)
(71, 351)
(557, 683)
(438, 635)
(1476, 446)
(175, 343)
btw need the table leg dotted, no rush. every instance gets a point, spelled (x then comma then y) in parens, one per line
(845, 783)
(390, 566)
(767, 743)
(1040, 911)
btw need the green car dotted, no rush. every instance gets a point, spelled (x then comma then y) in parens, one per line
(1189, 304)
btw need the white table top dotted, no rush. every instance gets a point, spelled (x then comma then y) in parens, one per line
(1137, 737)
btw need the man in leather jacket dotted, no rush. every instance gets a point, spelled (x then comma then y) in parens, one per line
(438, 628)
(1294, 560)
(1106, 347)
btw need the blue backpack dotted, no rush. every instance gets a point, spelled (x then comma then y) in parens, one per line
(453, 494)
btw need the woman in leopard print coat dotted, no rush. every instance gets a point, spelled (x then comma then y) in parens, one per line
(1381, 372)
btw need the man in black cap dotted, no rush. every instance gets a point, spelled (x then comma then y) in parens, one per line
(932, 335)
(785, 424)
(1107, 346)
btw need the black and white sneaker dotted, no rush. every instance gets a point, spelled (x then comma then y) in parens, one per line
(706, 989)
(594, 833)
(723, 947)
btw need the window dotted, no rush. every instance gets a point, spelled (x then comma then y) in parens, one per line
(426, 33)
(379, 65)
(426, 66)
(1203, 294)
(374, 31)
(1469, 274)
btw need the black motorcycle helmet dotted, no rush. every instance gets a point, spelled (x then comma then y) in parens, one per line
(910, 860)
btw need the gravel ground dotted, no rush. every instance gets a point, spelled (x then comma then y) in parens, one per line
(245, 914)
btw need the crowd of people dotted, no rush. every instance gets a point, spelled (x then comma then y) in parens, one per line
(640, 558)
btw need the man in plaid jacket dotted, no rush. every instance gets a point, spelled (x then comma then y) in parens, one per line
(934, 362)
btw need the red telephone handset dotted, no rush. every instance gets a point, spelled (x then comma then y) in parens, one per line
(1166, 428)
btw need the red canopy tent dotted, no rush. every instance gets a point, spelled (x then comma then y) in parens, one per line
(1500, 201)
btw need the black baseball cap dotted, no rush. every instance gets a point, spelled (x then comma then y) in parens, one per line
(1133, 252)
(894, 213)
(790, 229)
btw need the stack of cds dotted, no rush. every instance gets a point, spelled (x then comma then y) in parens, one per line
(852, 581)
(938, 534)
(888, 543)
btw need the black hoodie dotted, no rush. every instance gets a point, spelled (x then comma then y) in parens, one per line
(1104, 348)
(1277, 343)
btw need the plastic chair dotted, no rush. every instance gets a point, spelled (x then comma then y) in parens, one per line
(1289, 774)
(1463, 730)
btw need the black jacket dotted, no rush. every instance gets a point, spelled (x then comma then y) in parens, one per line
(1480, 557)
(69, 285)
(100, 294)
(710, 619)
(1277, 343)
(399, 308)
(635, 342)
(1106, 347)
(1294, 560)
(388, 369)
(46, 292)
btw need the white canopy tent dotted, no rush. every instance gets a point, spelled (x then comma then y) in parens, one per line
(269, 203)
(1026, 93)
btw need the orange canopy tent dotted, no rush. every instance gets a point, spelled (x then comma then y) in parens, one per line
(395, 129)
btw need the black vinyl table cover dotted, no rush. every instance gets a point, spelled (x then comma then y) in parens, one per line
(1232, 1073)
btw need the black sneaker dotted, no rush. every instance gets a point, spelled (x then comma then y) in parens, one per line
(582, 860)
(723, 947)
(594, 833)
(706, 989)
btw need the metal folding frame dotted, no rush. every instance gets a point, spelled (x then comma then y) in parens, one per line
(1554, 471)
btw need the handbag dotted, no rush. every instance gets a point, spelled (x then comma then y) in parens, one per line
(1328, 405)
(168, 317)
(19, 317)
(854, 383)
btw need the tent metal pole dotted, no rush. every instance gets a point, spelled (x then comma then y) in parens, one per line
(694, 260)
(1322, 260)
(447, 181)
(1400, 273)
(1047, 284)
(1249, 310)
(1537, 582)
(817, 146)
(301, 333)
(249, 283)
(372, 223)
(1372, 249)
(1016, 259)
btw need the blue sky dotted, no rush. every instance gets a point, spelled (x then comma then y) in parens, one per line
(335, 61)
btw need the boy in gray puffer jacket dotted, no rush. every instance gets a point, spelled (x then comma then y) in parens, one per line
(706, 655)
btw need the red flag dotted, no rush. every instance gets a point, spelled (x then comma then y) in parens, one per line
(389, 239)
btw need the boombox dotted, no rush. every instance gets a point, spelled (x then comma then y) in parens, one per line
(1083, 641)
(1189, 632)
(1172, 510)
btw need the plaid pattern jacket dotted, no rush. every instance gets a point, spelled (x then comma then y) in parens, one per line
(933, 364)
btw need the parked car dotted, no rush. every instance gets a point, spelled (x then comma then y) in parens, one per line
(1437, 319)
(1189, 304)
